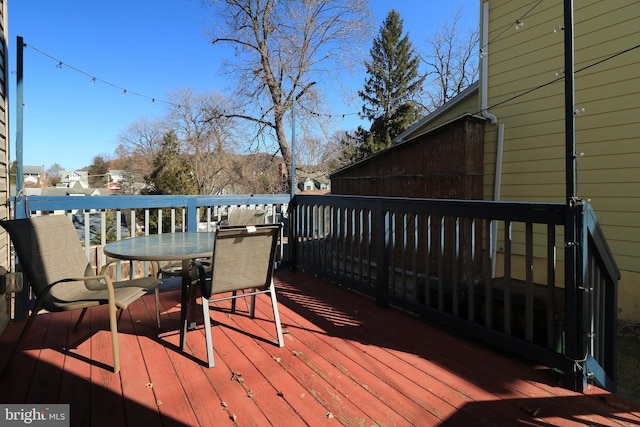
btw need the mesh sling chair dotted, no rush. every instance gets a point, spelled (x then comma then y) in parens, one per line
(243, 259)
(238, 216)
(247, 216)
(56, 266)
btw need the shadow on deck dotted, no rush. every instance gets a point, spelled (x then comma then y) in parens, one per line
(346, 361)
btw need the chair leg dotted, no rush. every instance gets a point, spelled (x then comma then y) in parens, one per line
(113, 324)
(207, 331)
(252, 307)
(233, 301)
(23, 334)
(157, 292)
(276, 315)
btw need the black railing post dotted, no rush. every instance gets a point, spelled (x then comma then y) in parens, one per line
(382, 261)
(574, 349)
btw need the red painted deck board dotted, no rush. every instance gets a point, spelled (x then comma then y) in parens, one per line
(345, 362)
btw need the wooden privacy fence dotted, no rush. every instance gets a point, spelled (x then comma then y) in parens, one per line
(494, 270)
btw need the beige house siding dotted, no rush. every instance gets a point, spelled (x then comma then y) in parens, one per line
(607, 131)
(4, 156)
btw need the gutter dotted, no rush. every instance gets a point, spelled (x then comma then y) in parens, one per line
(484, 61)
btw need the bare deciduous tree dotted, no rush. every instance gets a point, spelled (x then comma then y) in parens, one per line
(451, 62)
(207, 141)
(282, 48)
(141, 140)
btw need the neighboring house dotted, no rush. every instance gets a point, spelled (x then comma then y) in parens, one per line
(35, 176)
(318, 183)
(75, 191)
(73, 179)
(116, 175)
(114, 187)
(61, 191)
(524, 141)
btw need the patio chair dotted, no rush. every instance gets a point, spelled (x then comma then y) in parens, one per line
(62, 279)
(247, 216)
(236, 217)
(243, 259)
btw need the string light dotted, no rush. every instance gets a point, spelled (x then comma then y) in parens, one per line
(579, 111)
(518, 24)
(94, 79)
(528, 91)
(558, 28)
(314, 113)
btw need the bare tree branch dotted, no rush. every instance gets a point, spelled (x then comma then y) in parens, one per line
(451, 65)
(280, 47)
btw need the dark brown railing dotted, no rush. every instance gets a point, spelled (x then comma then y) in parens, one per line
(488, 269)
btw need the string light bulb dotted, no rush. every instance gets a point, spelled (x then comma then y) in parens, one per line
(560, 72)
(519, 24)
(579, 111)
(93, 80)
(59, 64)
(124, 92)
(558, 28)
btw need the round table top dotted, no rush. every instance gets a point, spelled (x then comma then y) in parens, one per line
(163, 247)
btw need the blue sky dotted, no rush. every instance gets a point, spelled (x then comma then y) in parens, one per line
(150, 47)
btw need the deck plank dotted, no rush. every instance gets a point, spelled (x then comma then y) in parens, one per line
(200, 385)
(50, 364)
(345, 361)
(267, 376)
(167, 383)
(75, 385)
(106, 402)
(389, 376)
(24, 367)
(137, 388)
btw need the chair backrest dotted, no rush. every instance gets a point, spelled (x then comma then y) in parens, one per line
(243, 258)
(247, 216)
(48, 249)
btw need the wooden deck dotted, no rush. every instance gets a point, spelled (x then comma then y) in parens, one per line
(346, 362)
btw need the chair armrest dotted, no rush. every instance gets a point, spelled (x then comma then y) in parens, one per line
(106, 279)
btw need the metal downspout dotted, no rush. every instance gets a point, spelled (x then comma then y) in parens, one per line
(484, 60)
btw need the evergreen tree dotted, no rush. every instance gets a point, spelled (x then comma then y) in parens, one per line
(97, 172)
(393, 82)
(171, 173)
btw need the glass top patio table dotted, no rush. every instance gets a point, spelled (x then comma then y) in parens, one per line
(163, 247)
(169, 247)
